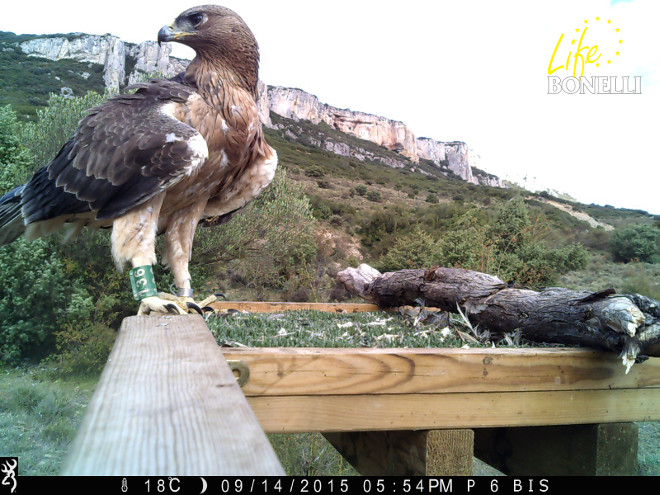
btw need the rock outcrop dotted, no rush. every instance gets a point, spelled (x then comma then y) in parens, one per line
(123, 63)
(126, 63)
(393, 135)
(297, 104)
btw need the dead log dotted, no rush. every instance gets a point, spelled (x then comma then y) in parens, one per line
(626, 324)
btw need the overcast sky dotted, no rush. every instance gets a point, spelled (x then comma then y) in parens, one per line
(473, 71)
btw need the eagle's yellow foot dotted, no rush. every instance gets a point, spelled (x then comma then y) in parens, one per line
(157, 304)
(182, 304)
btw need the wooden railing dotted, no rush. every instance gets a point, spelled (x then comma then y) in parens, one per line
(168, 403)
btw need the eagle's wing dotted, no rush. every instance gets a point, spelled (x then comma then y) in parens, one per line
(123, 153)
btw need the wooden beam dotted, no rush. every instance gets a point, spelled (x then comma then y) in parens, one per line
(276, 307)
(301, 389)
(310, 371)
(407, 453)
(167, 404)
(328, 413)
(580, 450)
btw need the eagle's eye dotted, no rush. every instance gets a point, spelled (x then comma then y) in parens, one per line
(196, 19)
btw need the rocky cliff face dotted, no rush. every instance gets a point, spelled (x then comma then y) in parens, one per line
(116, 56)
(394, 135)
(297, 104)
(125, 63)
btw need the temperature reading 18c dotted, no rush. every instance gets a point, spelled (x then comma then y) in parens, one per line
(170, 485)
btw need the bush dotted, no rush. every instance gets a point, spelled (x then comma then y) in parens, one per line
(34, 293)
(269, 241)
(15, 159)
(415, 250)
(361, 190)
(635, 243)
(374, 196)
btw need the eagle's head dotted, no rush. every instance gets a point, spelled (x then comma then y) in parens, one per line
(218, 35)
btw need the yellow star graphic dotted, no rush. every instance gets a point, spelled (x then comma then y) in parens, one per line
(620, 41)
(609, 21)
(609, 61)
(577, 30)
(598, 18)
(617, 30)
(617, 53)
(597, 64)
(586, 21)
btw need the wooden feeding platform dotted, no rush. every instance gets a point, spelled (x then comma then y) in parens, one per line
(169, 402)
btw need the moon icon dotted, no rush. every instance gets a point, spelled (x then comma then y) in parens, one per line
(204, 485)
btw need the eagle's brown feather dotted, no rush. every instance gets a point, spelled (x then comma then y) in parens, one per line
(164, 157)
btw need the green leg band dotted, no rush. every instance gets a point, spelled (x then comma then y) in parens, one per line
(143, 282)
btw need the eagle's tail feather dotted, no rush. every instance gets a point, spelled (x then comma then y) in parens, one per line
(11, 219)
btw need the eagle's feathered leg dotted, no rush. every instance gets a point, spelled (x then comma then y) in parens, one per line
(134, 242)
(178, 238)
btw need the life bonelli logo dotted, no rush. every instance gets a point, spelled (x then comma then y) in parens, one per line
(585, 60)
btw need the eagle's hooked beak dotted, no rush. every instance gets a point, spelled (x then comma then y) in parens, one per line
(166, 34)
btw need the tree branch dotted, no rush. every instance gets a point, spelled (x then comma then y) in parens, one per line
(626, 324)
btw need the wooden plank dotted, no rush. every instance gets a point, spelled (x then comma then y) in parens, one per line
(308, 371)
(276, 307)
(167, 404)
(327, 413)
(577, 450)
(407, 453)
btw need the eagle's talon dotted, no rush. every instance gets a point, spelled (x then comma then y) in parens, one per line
(155, 304)
(194, 307)
(172, 308)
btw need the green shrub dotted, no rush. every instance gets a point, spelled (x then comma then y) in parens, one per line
(270, 241)
(415, 250)
(15, 159)
(374, 196)
(34, 293)
(638, 242)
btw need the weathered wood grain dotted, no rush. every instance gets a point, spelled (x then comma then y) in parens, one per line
(329, 413)
(317, 371)
(628, 325)
(168, 404)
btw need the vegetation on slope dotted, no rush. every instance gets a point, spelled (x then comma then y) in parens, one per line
(63, 303)
(27, 81)
(323, 212)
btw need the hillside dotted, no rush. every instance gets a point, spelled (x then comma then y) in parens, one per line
(370, 181)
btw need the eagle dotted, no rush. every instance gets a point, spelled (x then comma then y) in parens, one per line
(159, 160)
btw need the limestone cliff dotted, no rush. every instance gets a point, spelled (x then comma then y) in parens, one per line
(393, 135)
(116, 56)
(297, 104)
(125, 63)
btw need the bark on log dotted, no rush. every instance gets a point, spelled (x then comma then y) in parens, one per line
(627, 324)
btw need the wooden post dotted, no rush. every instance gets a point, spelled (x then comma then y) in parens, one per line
(168, 404)
(587, 450)
(407, 453)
